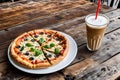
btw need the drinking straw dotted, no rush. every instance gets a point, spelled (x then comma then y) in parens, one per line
(97, 10)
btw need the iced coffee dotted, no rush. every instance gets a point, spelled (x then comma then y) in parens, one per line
(95, 30)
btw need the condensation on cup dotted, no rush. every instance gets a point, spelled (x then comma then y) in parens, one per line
(95, 30)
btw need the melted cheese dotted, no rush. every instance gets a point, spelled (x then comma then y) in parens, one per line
(40, 57)
(27, 49)
(49, 53)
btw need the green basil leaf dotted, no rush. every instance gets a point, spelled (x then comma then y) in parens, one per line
(22, 48)
(41, 40)
(29, 45)
(46, 46)
(52, 45)
(32, 49)
(57, 51)
(38, 52)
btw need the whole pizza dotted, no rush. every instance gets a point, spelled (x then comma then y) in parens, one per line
(39, 48)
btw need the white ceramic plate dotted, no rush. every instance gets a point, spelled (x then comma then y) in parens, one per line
(64, 63)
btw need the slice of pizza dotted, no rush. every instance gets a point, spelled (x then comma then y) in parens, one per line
(54, 45)
(28, 52)
(54, 51)
(39, 35)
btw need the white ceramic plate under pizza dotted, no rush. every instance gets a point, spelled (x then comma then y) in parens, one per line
(64, 63)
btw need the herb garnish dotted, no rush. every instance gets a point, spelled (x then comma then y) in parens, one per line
(56, 50)
(41, 40)
(29, 45)
(22, 48)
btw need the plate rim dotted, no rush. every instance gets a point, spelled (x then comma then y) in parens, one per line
(31, 72)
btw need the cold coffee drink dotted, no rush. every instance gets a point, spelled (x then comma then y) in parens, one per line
(95, 30)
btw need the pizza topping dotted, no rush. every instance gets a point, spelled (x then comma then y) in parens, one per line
(57, 51)
(38, 52)
(41, 33)
(25, 39)
(32, 49)
(27, 53)
(46, 46)
(60, 43)
(36, 36)
(29, 45)
(41, 40)
(22, 48)
(49, 36)
(32, 40)
(52, 45)
(44, 58)
(18, 46)
(49, 55)
(31, 58)
(19, 53)
(49, 46)
(57, 39)
(61, 52)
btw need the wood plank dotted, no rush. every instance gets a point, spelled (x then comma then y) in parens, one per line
(78, 67)
(110, 47)
(53, 76)
(55, 21)
(104, 71)
(25, 14)
(115, 76)
(8, 72)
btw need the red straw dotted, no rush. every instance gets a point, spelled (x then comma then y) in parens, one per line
(98, 8)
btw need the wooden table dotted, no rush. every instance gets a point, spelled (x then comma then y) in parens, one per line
(68, 17)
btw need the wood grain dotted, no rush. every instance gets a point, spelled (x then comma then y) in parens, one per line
(20, 14)
(78, 67)
(68, 17)
(105, 71)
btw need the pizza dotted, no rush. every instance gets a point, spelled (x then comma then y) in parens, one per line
(39, 48)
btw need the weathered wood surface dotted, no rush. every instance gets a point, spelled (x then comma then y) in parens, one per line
(12, 16)
(109, 70)
(67, 17)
